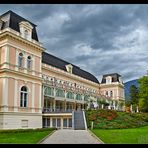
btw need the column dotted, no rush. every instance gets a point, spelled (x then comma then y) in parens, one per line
(65, 104)
(82, 106)
(51, 107)
(25, 62)
(102, 106)
(33, 64)
(17, 54)
(40, 97)
(54, 105)
(50, 121)
(46, 122)
(7, 56)
(67, 122)
(109, 105)
(75, 104)
(15, 95)
(61, 123)
(33, 93)
(5, 94)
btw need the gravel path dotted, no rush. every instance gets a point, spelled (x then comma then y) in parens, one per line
(69, 136)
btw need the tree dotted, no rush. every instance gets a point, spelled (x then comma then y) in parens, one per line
(134, 95)
(143, 94)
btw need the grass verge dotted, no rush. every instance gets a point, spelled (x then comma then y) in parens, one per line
(123, 136)
(31, 136)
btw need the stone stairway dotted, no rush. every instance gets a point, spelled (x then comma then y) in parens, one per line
(78, 120)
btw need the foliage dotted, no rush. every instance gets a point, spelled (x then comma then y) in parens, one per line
(143, 102)
(128, 103)
(134, 94)
(26, 130)
(111, 119)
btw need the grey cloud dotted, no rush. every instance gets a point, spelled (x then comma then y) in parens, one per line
(98, 26)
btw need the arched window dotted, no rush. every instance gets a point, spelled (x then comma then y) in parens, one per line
(20, 60)
(60, 93)
(86, 98)
(29, 62)
(78, 97)
(70, 95)
(24, 97)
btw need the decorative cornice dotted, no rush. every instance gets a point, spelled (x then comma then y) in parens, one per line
(4, 70)
(59, 71)
(8, 32)
(111, 85)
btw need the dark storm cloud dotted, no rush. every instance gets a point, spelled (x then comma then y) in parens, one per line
(99, 38)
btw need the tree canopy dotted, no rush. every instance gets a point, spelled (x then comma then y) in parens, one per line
(143, 93)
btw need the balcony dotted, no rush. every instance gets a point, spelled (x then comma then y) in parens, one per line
(56, 110)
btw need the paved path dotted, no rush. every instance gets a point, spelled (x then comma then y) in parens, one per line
(69, 136)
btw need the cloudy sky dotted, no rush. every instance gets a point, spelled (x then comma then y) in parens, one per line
(99, 38)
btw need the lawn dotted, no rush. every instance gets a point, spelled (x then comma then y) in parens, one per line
(123, 136)
(23, 137)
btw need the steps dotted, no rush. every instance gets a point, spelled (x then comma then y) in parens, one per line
(78, 120)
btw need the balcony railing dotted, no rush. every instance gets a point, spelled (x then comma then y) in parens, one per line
(56, 110)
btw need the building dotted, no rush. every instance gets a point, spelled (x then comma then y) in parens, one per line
(38, 89)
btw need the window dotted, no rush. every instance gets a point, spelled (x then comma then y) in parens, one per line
(70, 95)
(20, 60)
(26, 30)
(29, 62)
(26, 33)
(86, 98)
(48, 91)
(78, 97)
(69, 68)
(23, 97)
(106, 93)
(108, 80)
(60, 93)
(111, 93)
(24, 123)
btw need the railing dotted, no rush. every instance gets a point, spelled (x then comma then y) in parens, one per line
(56, 110)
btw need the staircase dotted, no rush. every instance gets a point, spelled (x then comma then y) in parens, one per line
(78, 120)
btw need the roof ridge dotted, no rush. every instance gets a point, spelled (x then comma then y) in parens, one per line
(13, 13)
(61, 59)
(60, 63)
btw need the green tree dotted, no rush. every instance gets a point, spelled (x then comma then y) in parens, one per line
(134, 95)
(128, 103)
(143, 94)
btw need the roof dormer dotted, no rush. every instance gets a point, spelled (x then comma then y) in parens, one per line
(69, 68)
(108, 80)
(26, 30)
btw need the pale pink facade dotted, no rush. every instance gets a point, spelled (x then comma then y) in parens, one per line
(27, 99)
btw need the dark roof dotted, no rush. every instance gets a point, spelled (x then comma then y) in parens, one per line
(61, 64)
(115, 77)
(12, 20)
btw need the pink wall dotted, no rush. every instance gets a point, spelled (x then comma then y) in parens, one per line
(36, 97)
(11, 90)
(12, 55)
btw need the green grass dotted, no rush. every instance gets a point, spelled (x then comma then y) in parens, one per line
(23, 137)
(123, 136)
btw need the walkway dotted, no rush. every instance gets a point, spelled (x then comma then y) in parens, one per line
(69, 136)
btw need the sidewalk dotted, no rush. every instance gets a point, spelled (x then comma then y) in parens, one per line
(69, 136)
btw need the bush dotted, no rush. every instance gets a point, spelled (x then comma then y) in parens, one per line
(111, 119)
(26, 130)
